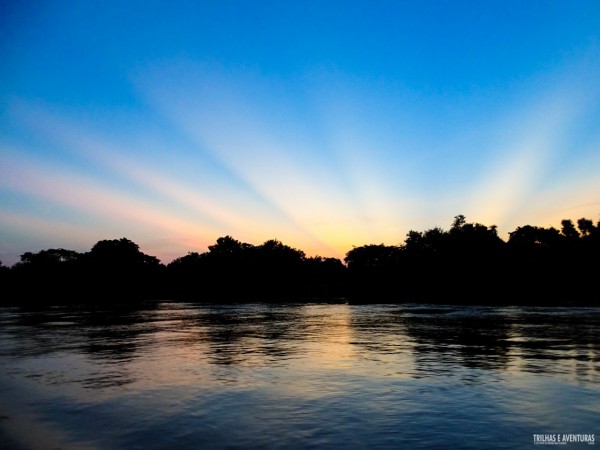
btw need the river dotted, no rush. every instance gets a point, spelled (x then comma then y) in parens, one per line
(298, 376)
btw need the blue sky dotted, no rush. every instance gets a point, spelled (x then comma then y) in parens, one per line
(323, 124)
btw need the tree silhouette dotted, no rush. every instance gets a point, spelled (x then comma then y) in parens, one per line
(587, 227)
(5, 278)
(186, 274)
(233, 271)
(458, 265)
(117, 270)
(469, 262)
(568, 229)
(324, 277)
(121, 253)
(228, 247)
(373, 271)
(52, 271)
(556, 265)
(49, 258)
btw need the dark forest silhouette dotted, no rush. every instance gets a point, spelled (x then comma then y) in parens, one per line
(469, 263)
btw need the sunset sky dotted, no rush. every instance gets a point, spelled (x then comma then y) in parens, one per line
(324, 124)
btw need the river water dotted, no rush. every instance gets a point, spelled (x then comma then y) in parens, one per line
(298, 376)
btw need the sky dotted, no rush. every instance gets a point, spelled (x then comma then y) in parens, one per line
(323, 124)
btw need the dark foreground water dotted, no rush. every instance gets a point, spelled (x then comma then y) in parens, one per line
(177, 375)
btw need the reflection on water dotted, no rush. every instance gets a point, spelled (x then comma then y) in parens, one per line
(296, 376)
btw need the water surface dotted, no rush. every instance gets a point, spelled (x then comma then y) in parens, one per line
(179, 375)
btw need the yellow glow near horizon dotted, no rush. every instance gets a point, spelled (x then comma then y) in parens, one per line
(321, 192)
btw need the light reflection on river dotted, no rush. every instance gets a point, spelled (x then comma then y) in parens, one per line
(177, 375)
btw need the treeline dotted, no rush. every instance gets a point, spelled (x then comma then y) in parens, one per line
(116, 270)
(471, 263)
(467, 263)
